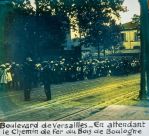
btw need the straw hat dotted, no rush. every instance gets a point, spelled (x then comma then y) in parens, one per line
(2, 66)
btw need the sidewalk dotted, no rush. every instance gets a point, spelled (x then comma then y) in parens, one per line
(123, 112)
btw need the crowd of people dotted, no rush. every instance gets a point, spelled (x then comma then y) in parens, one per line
(25, 76)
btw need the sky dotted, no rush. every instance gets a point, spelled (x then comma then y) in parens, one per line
(133, 7)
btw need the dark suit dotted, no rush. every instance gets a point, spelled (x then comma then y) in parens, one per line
(28, 72)
(46, 77)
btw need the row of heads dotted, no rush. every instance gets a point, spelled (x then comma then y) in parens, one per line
(6, 65)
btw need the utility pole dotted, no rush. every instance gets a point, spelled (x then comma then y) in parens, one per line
(144, 87)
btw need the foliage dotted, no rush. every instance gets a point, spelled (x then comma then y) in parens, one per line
(95, 19)
(50, 29)
(136, 19)
(22, 7)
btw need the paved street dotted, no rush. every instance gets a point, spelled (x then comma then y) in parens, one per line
(122, 112)
(70, 101)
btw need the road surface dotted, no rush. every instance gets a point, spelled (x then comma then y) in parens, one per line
(70, 101)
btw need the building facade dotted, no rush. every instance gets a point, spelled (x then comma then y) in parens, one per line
(130, 37)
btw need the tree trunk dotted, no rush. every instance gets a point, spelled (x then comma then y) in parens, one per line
(113, 49)
(147, 52)
(37, 7)
(104, 53)
(142, 93)
(98, 52)
(36, 46)
(144, 86)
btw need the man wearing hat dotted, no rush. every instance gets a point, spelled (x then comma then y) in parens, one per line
(46, 77)
(28, 74)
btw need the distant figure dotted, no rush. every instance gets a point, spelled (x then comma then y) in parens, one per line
(46, 78)
(9, 76)
(28, 73)
(5, 76)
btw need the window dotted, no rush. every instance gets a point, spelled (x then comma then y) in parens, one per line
(136, 47)
(136, 37)
(124, 37)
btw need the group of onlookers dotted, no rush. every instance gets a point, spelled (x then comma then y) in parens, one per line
(31, 74)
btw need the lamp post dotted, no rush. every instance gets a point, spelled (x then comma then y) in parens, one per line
(144, 88)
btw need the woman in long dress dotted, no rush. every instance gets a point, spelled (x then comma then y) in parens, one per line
(5, 77)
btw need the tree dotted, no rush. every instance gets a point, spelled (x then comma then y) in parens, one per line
(95, 19)
(144, 86)
(40, 28)
(22, 7)
(97, 22)
(136, 19)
